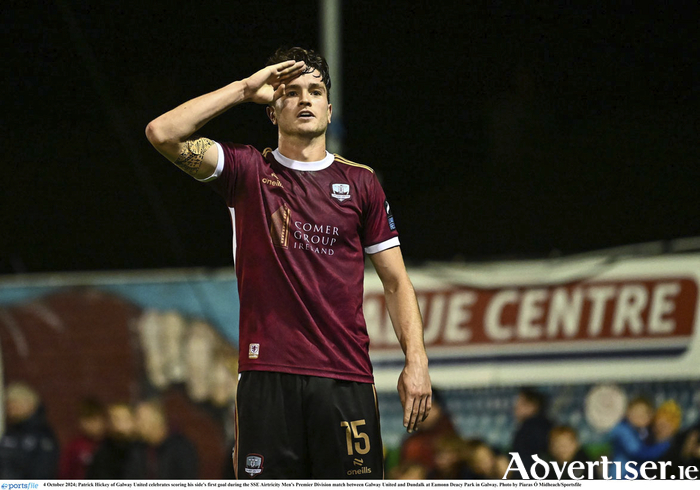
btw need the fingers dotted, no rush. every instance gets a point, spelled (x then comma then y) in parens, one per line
(279, 92)
(415, 415)
(428, 406)
(408, 414)
(416, 410)
(289, 69)
(422, 411)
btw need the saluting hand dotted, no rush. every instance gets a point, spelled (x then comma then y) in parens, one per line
(267, 85)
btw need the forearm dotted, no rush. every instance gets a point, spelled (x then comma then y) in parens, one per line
(414, 381)
(177, 125)
(406, 319)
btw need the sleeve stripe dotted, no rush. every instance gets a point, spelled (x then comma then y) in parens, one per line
(219, 165)
(380, 247)
(340, 159)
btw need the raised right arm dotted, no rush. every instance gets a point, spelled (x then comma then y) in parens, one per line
(172, 133)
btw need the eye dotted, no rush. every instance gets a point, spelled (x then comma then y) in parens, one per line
(291, 93)
(316, 92)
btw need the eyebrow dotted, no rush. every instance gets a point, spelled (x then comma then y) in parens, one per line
(311, 86)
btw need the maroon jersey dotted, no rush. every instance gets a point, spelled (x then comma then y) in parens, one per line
(300, 231)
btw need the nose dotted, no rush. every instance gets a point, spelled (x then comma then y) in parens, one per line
(304, 98)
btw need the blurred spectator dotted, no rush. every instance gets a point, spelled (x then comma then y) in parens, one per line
(532, 436)
(419, 447)
(685, 448)
(28, 449)
(481, 461)
(77, 456)
(408, 471)
(665, 426)
(160, 454)
(631, 437)
(500, 466)
(564, 447)
(112, 454)
(450, 459)
(667, 421)
(690, 449)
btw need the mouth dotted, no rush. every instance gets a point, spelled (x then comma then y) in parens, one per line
(305, 115)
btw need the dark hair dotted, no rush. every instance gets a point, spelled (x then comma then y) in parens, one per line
(311, 59)
(90, 407)
(534, 397)
(561, 430)
(641, 400)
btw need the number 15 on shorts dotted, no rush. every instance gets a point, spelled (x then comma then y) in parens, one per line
(357, 442)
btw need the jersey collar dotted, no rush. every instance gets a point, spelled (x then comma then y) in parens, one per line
(304, 166)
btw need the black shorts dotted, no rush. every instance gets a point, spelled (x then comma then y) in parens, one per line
(305, 427)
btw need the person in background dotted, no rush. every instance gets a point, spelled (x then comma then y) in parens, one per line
(160, 454)
(631, 439)
(532, 435)
(481, 461)
(408, 471)
(420, 447)
(77, 456)
(28, 449)
(450, 459)
(667, 421)
(685, 448)
(112, 454)
(664, 428)
(500, 466)
(565, 448)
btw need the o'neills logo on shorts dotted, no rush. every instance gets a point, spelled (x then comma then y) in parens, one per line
(254, 464)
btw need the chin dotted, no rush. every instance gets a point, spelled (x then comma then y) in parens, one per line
(308, 133)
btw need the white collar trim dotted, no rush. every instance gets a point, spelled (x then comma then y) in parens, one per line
(304, 166)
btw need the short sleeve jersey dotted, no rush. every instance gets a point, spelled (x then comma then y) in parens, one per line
(300, 231)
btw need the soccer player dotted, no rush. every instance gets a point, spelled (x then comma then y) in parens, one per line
(303, 219)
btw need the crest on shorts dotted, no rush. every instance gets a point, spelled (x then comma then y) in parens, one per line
(340, 191)
(253, 464)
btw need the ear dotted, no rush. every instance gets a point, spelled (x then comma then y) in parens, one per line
(330, 112)
(271, 114)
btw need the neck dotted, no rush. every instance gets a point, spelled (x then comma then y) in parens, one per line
(303, 149)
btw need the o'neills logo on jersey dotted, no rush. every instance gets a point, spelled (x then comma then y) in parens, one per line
(340, 191)
(274, 181)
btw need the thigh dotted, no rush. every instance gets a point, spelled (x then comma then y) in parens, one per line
(342, 420)
(270, 442)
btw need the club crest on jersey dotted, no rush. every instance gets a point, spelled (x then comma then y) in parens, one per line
(253, 464)
(340, 191)
(253, 351)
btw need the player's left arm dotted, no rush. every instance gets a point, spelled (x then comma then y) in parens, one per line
(414, 381)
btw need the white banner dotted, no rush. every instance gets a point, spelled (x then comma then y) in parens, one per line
(548, 322)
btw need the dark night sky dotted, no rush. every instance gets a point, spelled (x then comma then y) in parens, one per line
(500, 130)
